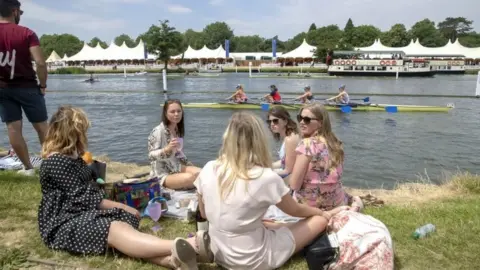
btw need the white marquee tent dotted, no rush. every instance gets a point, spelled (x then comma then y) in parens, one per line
(305, 50)
(54, 57)
(415, 48)
(112, 53)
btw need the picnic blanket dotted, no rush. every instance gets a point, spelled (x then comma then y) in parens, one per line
(178, 205)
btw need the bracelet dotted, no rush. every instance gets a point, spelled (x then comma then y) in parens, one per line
(40, 86)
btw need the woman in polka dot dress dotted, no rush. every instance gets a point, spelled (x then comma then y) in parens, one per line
(74, 217)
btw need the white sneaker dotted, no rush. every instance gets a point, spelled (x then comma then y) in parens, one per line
(30, 172)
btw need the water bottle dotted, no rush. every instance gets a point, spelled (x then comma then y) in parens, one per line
(423, 231)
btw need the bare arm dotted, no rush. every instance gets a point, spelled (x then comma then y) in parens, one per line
(290, 207)
(299, 171)
(201, 206)
(42, 73)
(157, 148)
(337, 96)
(291, 143)
(108, 204)
(302, 96)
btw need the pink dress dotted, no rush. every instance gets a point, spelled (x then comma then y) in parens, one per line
(322, 186)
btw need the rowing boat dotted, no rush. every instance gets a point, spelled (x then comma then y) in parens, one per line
(331, 107)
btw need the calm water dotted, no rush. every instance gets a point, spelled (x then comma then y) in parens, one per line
(381, 149)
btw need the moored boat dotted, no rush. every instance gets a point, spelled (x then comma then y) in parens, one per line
(381, 64)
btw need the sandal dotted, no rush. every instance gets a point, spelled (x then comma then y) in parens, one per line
(183, 256)
(205, 254)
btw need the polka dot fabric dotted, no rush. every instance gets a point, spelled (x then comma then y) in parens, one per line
(69, 217)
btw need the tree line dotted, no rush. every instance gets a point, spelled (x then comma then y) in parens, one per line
(165, 39)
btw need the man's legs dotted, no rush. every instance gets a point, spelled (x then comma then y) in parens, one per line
(18, 143)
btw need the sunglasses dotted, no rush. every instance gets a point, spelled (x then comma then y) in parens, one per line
(274, 121)
(305, 119)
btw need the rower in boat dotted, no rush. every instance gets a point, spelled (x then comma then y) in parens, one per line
(307, 97)
(91, 79)
(274, 96)
(342, 97)
(239, 96)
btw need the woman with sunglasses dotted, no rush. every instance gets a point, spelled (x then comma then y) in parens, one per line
(283, 128)
(165, 144)
(316, 175)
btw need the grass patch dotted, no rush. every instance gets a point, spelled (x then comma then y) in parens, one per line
(453, 207)
(119, 70)
(276, 70)
(472, 71)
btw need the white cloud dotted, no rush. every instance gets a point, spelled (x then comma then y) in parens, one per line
(178, 9)
(215, 2)
(69, 18)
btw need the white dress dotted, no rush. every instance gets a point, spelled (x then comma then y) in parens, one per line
(239, 240)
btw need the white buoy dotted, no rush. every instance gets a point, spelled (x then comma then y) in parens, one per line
(164, 80)
(477, 90)
(250, 69)
(396, 75)
(236, 69)
(301, 69)
(125, 71)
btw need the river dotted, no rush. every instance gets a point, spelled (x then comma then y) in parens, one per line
(381, 149)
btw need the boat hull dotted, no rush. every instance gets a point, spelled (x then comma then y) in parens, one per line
(356, 107)
(382, 73)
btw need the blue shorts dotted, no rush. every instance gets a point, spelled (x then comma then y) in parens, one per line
(31, 100)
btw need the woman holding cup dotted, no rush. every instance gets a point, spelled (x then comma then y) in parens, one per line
(165, 145)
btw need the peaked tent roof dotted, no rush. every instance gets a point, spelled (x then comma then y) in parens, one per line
(113, 52)
(416, 48)
(54, 57)
(305, 50)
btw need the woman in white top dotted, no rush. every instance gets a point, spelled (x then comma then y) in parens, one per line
(235, 192)
(283, 128)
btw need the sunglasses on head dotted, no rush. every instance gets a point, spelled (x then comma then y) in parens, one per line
(274, 121)
(305, 119)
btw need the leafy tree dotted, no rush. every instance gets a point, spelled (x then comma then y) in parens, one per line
(471, 40)
(216, 33)
(163, 40)
(95, 41)
(195, 39)
(349, 28)
(364, 35)
(397, 36)
(313, 27)
(125, 38)
(295, 41)
(427, 34)
(248, 43)
(330, 35)
(62, 44)
(451, 28)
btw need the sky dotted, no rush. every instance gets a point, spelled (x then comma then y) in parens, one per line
(107, 19)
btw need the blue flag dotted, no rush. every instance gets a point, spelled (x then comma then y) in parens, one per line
(227, 48)
(274, 47)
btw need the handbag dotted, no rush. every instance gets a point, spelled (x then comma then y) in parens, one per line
(136, 194)
(322, 251)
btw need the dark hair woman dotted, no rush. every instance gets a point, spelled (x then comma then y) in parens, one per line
(165, 144)
(283, 128)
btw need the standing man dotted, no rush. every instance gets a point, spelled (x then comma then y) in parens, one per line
(19, 88)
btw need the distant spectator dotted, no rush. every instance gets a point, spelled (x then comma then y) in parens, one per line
(19, 88)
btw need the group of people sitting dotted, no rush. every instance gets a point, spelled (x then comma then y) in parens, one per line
(274, 96)
(234, 193)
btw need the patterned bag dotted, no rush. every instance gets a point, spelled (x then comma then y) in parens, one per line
(138, 194)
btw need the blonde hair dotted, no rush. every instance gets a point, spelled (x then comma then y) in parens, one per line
(334, 145)
(67, 132)
(245, 145)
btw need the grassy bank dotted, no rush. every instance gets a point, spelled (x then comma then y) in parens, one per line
(453, 207)
(472, 71)
(276, 70)
(79, 70)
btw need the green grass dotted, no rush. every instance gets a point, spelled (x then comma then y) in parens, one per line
(80, 70)
(454, 245)
(472, 71)
(276, 70)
